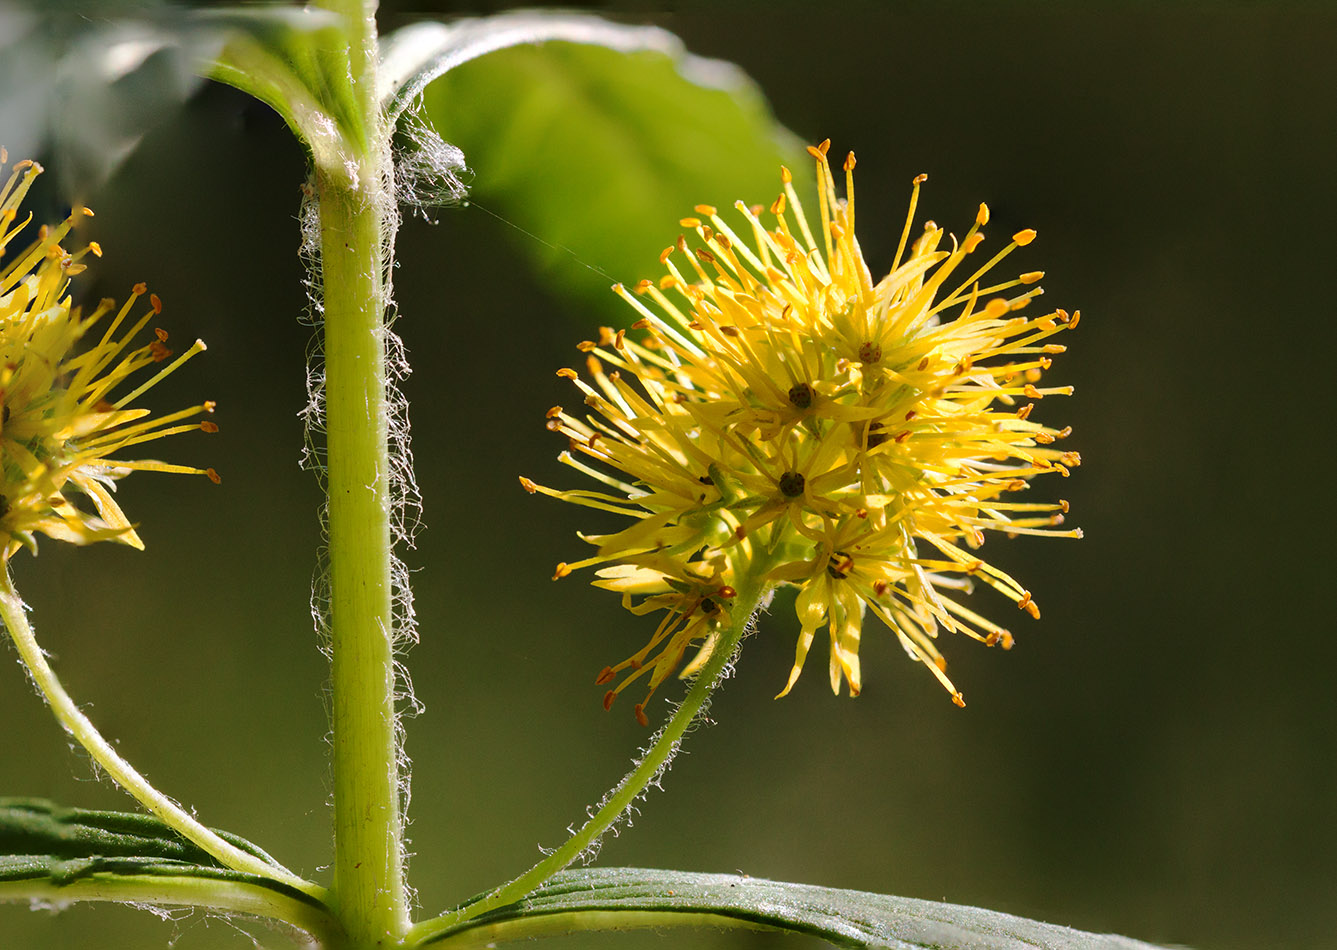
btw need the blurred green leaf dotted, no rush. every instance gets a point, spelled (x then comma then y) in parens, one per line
(413, 56)
(49, 853)
(83, 84)
(597, 153)
(624, 898)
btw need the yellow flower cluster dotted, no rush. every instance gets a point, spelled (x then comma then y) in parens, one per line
(63, 416)
(783, 419)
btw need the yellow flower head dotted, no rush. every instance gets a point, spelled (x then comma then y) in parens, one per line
(66, 403)
(783, 417)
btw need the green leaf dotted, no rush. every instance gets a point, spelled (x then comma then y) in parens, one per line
(296, 61)
(598, 152)
(624, 898)
(57, 854)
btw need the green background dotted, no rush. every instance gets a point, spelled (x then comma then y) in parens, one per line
(1156, 757)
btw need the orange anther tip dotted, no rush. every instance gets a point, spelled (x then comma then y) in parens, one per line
(786, 175)
(86, 212)
(641, 717)
(158, 351)
(210, 405)
(566, 373)
(849, 163)
(586, 345)
(608, 699)
(605, 676)
(95, 248)
(778, 206)
(728, 593)
(155, 302)
(982, 217)
(824, 146)
(161, 334)
(920, 179)
(707, 210)
(1024, 237)
(210, 427)
(1031, 277)
(562, 570)
(972, 242)
(139, 288)
(213, 476)
(619, 289)
(528, 484)
(689, 222)
(553, 413)
(941, 663)
(959, 700)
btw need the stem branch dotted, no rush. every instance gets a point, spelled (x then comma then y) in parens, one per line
(73, 721)
(626, 792)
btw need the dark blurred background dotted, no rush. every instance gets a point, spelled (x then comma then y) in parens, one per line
(1156, 757)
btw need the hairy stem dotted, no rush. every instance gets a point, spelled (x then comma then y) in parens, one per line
(356, 214)
(73, 721)
(632, 786)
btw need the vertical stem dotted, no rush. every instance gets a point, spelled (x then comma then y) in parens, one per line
(355, 220)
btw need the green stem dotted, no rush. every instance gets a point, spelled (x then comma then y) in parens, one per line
(73, 721)
(626, 792)
(355, 216)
